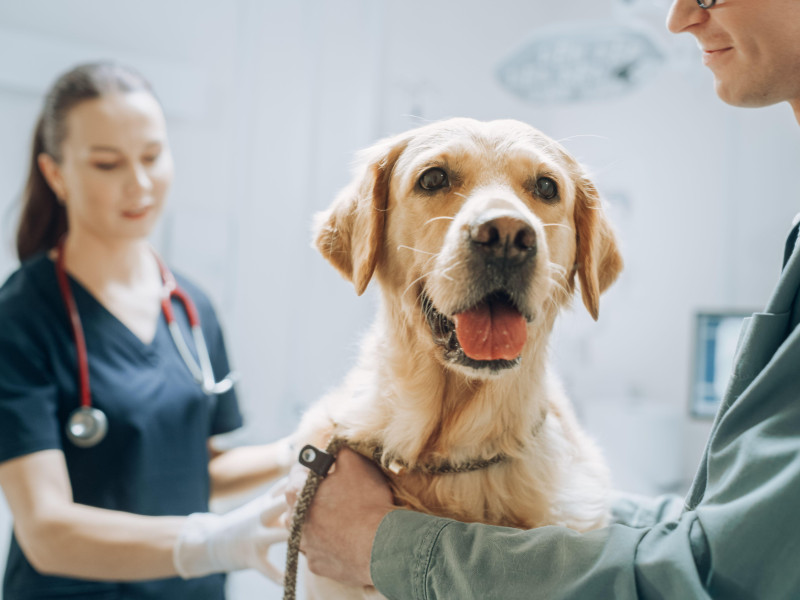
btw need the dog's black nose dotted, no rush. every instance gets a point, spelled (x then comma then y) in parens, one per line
(504, 236)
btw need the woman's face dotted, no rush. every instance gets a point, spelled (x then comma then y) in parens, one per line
(116, 166)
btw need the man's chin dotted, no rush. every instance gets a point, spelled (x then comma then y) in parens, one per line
(736, 95)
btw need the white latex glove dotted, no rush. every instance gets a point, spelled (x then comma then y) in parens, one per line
(239, 539)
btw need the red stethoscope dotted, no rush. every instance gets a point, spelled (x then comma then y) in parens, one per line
(87, 425)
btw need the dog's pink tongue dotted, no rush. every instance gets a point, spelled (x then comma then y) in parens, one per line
(492, 330)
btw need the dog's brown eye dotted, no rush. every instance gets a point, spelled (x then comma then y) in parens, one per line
(546, 188)
(433, 179)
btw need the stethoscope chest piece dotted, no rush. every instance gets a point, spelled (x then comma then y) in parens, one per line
(86, 427)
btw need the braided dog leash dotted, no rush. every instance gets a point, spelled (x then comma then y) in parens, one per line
(318, 463)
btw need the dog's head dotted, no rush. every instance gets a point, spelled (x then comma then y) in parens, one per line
(475, 229)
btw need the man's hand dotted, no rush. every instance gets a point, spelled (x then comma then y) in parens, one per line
(343, 518)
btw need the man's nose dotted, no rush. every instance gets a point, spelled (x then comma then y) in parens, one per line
(684, 14)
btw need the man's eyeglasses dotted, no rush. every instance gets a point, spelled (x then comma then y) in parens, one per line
(706, 4)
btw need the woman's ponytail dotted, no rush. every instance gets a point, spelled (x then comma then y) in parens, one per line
(43, 220)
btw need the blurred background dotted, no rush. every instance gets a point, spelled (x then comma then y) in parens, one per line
(268, 100)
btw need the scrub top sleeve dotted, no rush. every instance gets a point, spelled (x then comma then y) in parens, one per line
(423, 557)
(28, 398)
(227, 416)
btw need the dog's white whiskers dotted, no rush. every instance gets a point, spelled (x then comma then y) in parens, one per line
(557, 277)
(582, 135)
(560, 286)
(555, 305)
(417, 250)
(441, 271)
(444, 270)
(560, 290)
(567, 227)
(438, 219)
(459, 195)
(600, 170)
(410, 285)
(558, 281)
(553, 144)
(418, 118)
(555, 267)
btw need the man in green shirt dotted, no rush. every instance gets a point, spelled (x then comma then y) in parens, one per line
(736, 535)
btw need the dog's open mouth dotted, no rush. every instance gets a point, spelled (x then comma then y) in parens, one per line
(490, 334)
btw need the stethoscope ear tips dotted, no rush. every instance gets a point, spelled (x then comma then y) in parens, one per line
(87, 426)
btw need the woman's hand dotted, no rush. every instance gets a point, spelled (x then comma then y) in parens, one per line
(343, 518)
(239, 539)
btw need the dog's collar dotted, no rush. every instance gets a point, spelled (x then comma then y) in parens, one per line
(398, 466)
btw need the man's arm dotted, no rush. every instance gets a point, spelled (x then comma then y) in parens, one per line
(354, 534)
(418, 556)
(636, 510)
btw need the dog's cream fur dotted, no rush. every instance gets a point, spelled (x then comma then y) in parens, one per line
(405, 394)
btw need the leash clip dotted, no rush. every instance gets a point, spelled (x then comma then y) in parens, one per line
(315, 459)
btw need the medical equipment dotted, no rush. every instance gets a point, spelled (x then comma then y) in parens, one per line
(716, 340)
(578, 62)
(87, 425)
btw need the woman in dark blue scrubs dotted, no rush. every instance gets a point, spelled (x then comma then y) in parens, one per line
(110, 520)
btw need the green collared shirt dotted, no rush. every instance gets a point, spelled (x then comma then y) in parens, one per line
(736, 535)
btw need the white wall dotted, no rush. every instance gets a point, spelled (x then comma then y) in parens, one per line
(266, 104)
(702, 195)
(268, 100)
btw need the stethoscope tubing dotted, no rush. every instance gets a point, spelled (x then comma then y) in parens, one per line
(77, 329)
(201, 369)
(87, 425)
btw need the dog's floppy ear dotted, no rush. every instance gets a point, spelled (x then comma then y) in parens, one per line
(350, 233)
(598, 261)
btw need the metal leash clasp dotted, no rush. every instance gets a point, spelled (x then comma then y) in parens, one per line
(315, 459)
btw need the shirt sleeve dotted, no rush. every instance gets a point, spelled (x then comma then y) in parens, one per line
(738, 539)
(636, 510)
(28, 396)
(420, 557)
(227, 416)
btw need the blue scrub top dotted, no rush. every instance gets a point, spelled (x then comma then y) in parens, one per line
(154, 459)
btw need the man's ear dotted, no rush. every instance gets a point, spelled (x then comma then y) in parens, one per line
(350, 233)
(598, 261)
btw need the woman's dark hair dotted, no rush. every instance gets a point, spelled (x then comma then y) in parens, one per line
(43, 219)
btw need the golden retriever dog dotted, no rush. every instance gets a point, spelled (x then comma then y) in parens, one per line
(476, 233)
